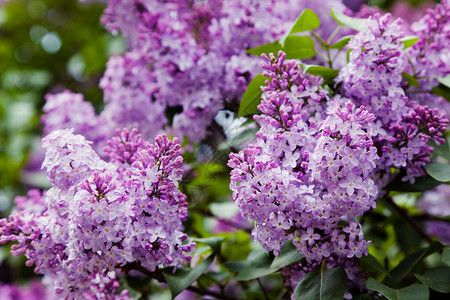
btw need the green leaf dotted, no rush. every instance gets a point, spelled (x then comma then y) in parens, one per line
(126, 283)
(288, 255)
(348, 55)
(410, 80)
(437, 279)
(326, 73)
(261, 263)
(354, 23)
(224, 209)
(407, 238)
(439, 171)
(409, 41)
(324, 285)
(258, 265)
(442, 90)
(183, 277)
(299, 47)
(308, 20)
(442, 150)
(407, 264)
(252, 96)
(342, 42)
(446, 255)
(370, 263)
(214, 242)
(266, 48)
(445, 81)
(421, 184)
(413, 292)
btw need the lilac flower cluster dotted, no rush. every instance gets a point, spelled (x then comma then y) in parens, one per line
(320, 160)
(411, 137)
(101, 219)
(430, 52)
(373, 77)
(70, 110)
(177, 50)
(429, 56)
(308, 170)
(373, 74)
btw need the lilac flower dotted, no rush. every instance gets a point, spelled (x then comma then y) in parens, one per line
(100, 218)
(373, 78)
(69, 110)
(429, 56)
(299, 189)
(176, 52)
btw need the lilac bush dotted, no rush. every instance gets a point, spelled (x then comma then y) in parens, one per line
(335, 136)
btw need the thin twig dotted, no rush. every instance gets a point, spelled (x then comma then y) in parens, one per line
(157, 275)
(263, 289)
(330, 39)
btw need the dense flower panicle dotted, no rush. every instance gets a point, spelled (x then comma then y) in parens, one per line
(306, 173)
(177, 50)
(124, 147)
(68, 110)
(103, 286)
(34, 202)
(101, 217)
(129, 93)
(373, 77)
(429, 56)
(69, 158)
(430, 53)
(183, 46)
(408, 144)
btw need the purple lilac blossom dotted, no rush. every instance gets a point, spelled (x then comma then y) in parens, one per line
(308, 169)
(34, 290)
(440, 229)
(373, 78)
(188, 56)
(429, 57)
(186, 46)
(437, 203)
(100, 219)
(70, 110)
(409, 13)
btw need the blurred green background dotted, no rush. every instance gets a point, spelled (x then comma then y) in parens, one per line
(45, 46)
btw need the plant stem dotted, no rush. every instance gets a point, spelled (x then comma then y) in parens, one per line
(320, 39)
(157, 275)
(324, 45)
(330, 39)
(263, 289)
(403, 212)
